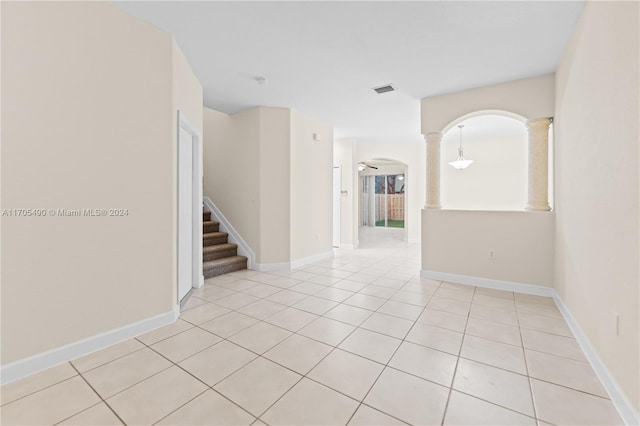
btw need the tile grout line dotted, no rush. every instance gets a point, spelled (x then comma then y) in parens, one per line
(334, 347)
(195, 377)
(99, 396)
(455, 369)
(40, 389)
(303, 376)
(393, 290)
(386, 365)
(526, 366)
(359, 326)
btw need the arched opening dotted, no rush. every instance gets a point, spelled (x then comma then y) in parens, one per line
(496, 141)
(383, 197)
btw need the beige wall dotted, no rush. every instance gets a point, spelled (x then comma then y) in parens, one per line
(87, 122)
(275, 182)
(232, 169)
(523, 241)
(497, 179)
(271, 183)
(458, 242)
(311, 187)
(596, 133)
(187, 99)
(528, 98)
(344, 153)
(414, 157)
(218, 137)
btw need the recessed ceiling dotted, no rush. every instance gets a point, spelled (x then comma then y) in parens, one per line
(323, 58)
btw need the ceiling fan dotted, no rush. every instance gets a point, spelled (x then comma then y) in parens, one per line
(363, 165)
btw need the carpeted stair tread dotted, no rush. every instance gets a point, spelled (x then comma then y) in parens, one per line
(225, 265)
(218, 255)
(213, 238)
(210, 226)
(219, 251)
(219, 247)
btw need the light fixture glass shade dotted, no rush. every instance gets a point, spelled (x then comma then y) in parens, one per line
(460, 163)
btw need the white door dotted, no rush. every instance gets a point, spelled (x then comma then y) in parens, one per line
(337, 195)
(185, 213)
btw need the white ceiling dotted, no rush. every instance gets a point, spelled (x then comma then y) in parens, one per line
(323, 58)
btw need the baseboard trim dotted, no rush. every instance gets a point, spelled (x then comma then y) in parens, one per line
(234, 237)
(284, 266)
(489, 283)
(36, 363)
(618, 397)
(346, 247)
(299, 263)
(266, 267)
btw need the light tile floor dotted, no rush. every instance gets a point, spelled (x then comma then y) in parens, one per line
(358, 339)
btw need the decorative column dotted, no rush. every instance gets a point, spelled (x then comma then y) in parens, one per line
(433, 170)
(538, 185)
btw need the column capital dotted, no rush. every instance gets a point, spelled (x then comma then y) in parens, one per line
(432, 137)
(543, 122)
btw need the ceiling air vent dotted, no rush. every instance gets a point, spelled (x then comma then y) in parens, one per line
(384, 89)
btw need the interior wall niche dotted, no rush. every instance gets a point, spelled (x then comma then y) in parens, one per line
(497, 178)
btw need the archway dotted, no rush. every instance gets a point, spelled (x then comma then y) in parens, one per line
(496, 141)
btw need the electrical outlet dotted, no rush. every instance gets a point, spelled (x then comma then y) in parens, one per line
(492, 254)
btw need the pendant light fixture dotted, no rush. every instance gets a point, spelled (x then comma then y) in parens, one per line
(460, 162)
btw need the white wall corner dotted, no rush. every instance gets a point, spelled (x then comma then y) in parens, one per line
(234, 237)
(618, 397)
(36, 363)
(489, 283)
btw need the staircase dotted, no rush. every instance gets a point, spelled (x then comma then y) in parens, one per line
(218, 256)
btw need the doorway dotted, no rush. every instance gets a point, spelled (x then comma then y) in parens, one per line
(383, 201)
(337, 208)
(389, 200)
(189, 209)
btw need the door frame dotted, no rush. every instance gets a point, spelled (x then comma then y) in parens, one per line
(337, 207)
(197, 277)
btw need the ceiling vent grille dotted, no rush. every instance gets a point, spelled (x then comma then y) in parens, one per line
(384, 89)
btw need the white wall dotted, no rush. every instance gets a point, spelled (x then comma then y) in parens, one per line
(497, 178)
(414, 157)
(311, 187)
(88, 121)
(458, 242)
(597, 138)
